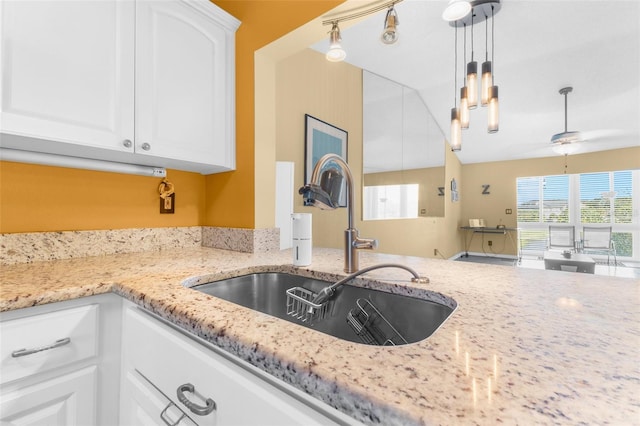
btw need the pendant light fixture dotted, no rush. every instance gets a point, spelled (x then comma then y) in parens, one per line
(472, 76)
(390, 34)
(456, 129)
(493, 117)
(464, 93)
(335, 53)
(480, 11)
(487, 77)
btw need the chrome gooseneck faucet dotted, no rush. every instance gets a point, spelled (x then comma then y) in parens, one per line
(324, 191)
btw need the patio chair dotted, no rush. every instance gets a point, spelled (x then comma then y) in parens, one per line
(562, 237)
(597, 240)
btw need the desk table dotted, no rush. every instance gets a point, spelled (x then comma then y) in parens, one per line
(469, 230)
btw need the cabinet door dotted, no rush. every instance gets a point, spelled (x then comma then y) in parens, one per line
(184, 90)
(65, 401)
(143, 404)
(67, 74)
(169, 359)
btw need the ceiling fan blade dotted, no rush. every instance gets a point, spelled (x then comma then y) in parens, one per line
(592, 135)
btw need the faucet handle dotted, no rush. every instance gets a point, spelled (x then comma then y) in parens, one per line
(365, 243)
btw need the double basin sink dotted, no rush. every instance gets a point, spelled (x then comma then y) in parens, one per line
(354, 314)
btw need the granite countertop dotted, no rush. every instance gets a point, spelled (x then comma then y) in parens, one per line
(523, 346)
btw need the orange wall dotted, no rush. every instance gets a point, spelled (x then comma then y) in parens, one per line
(230, 196)
(40, 198)
(37, 198)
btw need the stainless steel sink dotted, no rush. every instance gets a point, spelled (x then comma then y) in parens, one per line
(388, 318)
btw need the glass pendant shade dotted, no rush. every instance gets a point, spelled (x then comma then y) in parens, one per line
(472, 84)
(493, 113)
(464, 109)
(336, 53)
(486, 82)
(456, 131)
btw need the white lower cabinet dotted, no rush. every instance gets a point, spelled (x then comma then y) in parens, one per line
(102, 360)
(60, 363)
(207, 387)
(60, 401)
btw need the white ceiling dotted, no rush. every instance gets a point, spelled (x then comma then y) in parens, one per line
(540, 47)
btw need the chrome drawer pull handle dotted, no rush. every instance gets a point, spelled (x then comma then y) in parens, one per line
(195, 408)
(56, 344)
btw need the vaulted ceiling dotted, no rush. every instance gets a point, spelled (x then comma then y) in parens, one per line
(540, 47)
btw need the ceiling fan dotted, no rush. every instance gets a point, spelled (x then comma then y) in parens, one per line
(563, 142)
(566, 137)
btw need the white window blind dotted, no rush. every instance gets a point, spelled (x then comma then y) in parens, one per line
(606, 197)
(595, 203)
(554, 193)
(528, 199)
(623, 196)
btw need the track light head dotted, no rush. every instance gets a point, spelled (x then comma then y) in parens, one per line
(390, 33)
(335, 53)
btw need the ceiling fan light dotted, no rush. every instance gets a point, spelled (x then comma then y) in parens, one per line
(565, 148)
(486, 82)
(390, 33)
(456, 130)
(456, 9)
(464, 108)
(472, 84)
(494, 110)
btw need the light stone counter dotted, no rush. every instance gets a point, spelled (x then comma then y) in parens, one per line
(523, 347)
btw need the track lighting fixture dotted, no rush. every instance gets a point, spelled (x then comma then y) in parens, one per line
(390, 34)
(335, 53)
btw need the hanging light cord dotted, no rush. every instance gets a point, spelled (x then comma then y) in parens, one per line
(464, 52)
(493, 63)
(455, 67)
(486, 37)
(472, 35)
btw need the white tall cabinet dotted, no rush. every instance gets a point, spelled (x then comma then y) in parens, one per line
(140, 82)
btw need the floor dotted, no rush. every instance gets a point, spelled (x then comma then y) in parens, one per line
(630, 270)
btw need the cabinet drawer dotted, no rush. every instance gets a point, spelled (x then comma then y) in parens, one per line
(169, 359)
(43, 342)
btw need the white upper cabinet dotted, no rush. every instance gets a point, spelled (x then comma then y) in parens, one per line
(67, 72)
(141, 82)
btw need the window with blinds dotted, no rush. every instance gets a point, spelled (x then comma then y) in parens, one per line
(543, 199)
(606, 197)
(603, 198)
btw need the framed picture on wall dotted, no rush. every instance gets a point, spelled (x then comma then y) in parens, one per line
(322, 138)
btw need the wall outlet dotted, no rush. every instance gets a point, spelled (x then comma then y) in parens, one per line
(490, 243)
(508, 211)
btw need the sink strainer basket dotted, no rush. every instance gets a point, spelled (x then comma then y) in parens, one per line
(301, 307)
